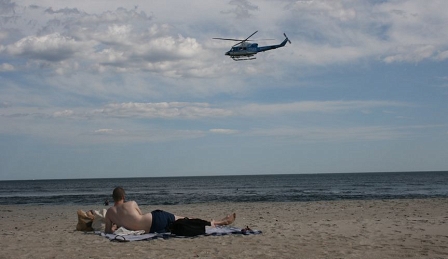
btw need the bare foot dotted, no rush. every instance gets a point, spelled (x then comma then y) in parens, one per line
(229, 219)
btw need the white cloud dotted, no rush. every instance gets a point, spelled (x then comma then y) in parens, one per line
(242, 9)
(4, 105)
(120, 41)
(411, 54)
(167, 49)
(195, 111)
(224, 131)
(52, 47)
(137, 40)
(398, 31)
(416, 29)
(163, 110)
(340, 10)
(314, 106)
(333, 134)
(135, 135)
(5, 67)
(109, 132)
(65, 113)
(442, 55)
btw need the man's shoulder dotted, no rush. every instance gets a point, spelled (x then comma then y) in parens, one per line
(109, 209)
(109, 213)
(130, 203)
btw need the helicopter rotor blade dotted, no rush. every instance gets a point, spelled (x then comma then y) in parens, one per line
(226, 39)
(245, 39)
(250, 36)
(240, 39)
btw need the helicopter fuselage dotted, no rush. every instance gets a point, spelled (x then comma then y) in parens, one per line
(245, 49)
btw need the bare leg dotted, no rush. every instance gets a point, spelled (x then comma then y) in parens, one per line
(229, 219)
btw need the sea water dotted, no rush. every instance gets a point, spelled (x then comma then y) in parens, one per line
(234, 188)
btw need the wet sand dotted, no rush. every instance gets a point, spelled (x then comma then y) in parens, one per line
(327, 229)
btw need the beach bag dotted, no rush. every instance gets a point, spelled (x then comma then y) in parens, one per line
(84, 221)
(189, 227)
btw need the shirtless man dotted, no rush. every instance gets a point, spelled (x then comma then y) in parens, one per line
(128, 215)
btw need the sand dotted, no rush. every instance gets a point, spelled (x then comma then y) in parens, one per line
(327, 229)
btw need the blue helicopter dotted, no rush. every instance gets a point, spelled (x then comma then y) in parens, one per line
(245, 50)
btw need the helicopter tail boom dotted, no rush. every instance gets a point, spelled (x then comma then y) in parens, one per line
(266, 48)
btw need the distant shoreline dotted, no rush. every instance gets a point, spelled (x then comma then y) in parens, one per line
(223, 175)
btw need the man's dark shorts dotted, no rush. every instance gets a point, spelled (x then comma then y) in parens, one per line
(161, 220)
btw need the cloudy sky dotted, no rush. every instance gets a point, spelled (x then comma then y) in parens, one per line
(106, 88)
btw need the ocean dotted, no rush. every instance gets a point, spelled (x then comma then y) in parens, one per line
(234, 188)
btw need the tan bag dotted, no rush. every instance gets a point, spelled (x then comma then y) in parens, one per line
(84, 221)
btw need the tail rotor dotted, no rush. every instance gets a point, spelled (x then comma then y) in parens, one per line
(287, 38)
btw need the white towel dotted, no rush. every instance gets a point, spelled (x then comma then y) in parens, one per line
(123, 232)
(99, 221)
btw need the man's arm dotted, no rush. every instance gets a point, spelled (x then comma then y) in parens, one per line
(110, 226)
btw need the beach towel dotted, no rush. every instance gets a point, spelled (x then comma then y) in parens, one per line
(126, 232)
(210, 231)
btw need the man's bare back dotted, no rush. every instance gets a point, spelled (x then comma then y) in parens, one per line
(129, 216)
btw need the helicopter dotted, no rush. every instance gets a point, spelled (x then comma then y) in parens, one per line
(244, 50)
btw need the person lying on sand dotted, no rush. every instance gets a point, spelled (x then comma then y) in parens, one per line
(127, 214)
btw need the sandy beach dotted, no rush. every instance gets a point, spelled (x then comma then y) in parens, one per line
(327, 229)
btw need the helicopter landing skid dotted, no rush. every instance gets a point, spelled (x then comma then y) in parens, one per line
(243, 58)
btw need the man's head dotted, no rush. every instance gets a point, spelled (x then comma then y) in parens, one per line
(118, 194)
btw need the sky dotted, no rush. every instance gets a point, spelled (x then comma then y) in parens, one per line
(106, 88)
